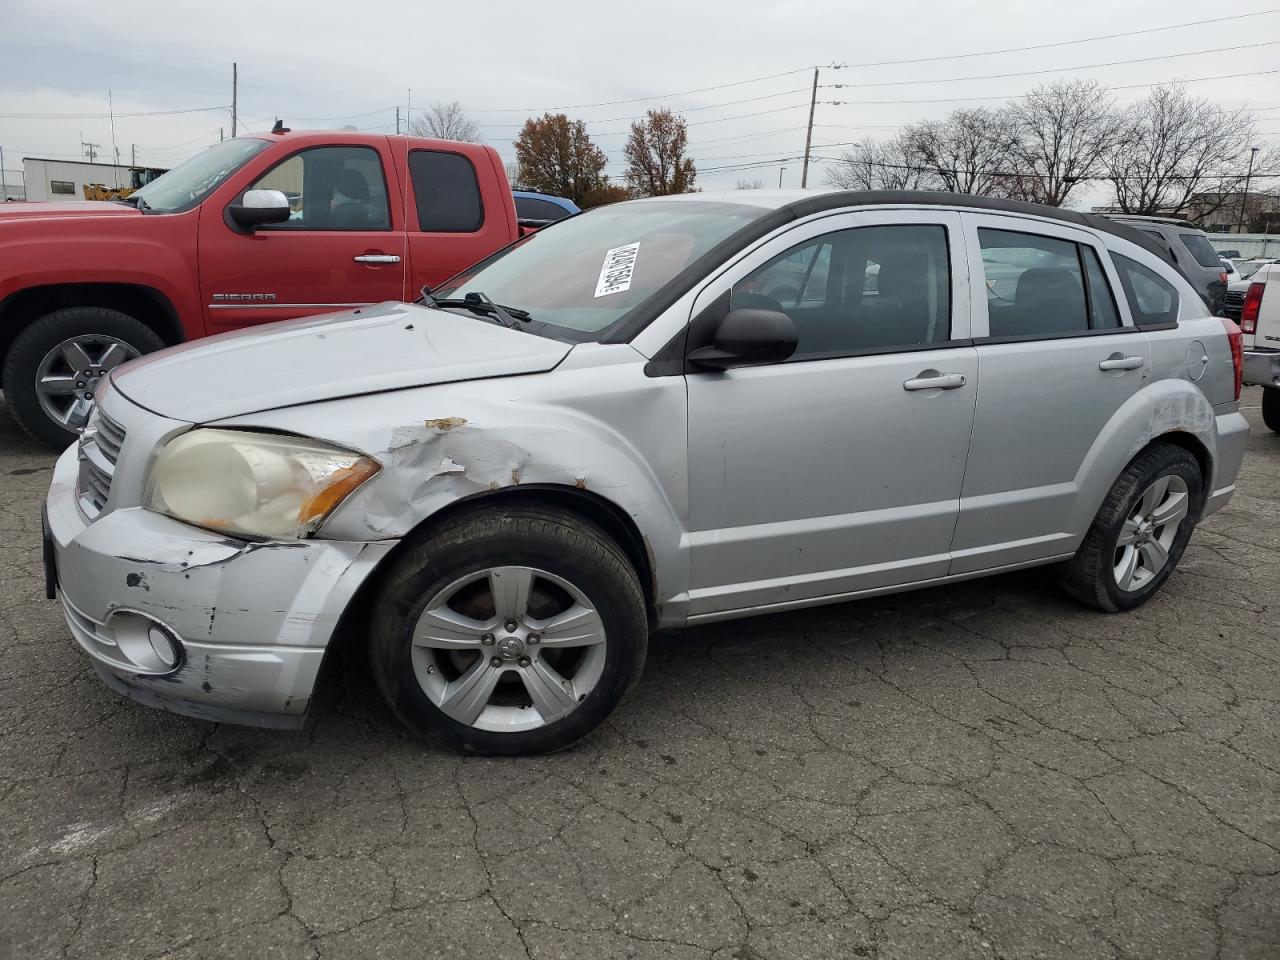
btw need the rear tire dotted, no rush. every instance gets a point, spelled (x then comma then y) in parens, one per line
(36, 356)
(463, 671)
(1128, 552)
(1271, 408)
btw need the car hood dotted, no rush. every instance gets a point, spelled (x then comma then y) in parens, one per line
(385, 347)
(69, 208)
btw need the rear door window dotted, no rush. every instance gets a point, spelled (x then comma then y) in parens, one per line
(1035, 285)
(1201, 250)
(446, 191)
(1152, 299)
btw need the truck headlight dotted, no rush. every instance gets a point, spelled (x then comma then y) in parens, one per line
(260, 484)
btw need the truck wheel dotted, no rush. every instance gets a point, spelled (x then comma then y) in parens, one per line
(55, 364)
(510, 630)
(1140, 531)
(1271, 408)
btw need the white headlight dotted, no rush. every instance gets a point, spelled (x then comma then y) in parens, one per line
(259, 484)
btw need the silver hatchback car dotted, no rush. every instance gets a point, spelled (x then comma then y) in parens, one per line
(659, 413)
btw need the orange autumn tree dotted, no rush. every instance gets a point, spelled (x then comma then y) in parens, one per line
(655, 151)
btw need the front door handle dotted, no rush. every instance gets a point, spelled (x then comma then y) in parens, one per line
(939, 381)
(376, 258)
(1121, 363)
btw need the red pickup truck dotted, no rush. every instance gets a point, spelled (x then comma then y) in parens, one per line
(254, 229)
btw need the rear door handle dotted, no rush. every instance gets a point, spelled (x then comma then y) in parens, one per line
(376, 258)
(942, 381)
(1121, 363)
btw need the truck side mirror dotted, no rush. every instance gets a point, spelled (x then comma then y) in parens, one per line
(260, 207)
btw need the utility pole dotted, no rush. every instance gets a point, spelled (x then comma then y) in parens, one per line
(91, 150)
(133, 154)
(808, 135)
(397, 119)
(781, 171)
(1244, 197)
(220, 134)
(235, 91)
(4, 187)
(408, 112)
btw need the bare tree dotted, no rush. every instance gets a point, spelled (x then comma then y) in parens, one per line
(1180, 153)
(656, 161)
(1064, 131)
(750, 185)
(971, 151)
(881, 165)
(445, 121)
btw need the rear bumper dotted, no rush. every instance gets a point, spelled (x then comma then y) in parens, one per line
(1232, 437)
(252, 620)
(1262, 368)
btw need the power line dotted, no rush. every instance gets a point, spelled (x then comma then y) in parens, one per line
(1084, 66)
(1062, 43)
(107, 116)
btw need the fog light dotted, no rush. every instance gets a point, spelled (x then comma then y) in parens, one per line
(163, 647)
(147, 644)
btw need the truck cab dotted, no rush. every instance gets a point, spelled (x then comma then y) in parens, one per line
(251, 230)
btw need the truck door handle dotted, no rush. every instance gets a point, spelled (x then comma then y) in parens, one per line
(376, 258)
(935, 381)
(1121, 363)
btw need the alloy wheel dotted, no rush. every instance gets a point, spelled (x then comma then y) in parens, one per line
(1147, 535)
(69, 374)
(508, 648)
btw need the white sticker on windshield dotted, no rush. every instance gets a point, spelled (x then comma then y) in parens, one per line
(619, 265)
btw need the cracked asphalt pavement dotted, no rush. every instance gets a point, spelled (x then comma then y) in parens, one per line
(986, 770)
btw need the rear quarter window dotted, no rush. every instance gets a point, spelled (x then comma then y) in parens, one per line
(1201, 250)
(1153, 300)
(532, 208)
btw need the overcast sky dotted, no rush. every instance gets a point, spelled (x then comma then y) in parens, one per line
(327, 65)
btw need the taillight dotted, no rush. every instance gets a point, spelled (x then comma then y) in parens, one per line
(1222, 277)
(1252, 305)
(1236, 340)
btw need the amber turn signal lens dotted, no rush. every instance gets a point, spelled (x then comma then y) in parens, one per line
(321, 503)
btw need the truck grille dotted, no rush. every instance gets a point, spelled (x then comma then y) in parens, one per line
(99, 450)
(1233, 303)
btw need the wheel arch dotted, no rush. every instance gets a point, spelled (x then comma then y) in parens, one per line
(146, 304)
(589, 505)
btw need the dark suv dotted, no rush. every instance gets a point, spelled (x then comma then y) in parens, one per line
(1190, 250)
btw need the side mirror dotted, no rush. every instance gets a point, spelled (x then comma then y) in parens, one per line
(260, 207)
(748, 336)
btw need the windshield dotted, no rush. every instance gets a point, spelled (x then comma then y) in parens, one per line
(190, 182)
(1249, 268)
(582, 275)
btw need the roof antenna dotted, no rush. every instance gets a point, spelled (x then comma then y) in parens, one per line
(279, 127)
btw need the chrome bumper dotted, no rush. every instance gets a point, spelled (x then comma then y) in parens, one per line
(1262, 368)
(252, 619)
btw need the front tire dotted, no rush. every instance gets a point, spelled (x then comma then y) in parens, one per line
(508, 631)
(1271, 408)
(1140, 532)
(55, 364)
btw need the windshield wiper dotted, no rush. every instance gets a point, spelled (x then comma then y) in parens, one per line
(480, 303)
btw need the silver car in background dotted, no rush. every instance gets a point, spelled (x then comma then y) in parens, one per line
(658, 413)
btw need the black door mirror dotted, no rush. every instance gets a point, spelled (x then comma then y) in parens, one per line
(260, 207)
(748, 336)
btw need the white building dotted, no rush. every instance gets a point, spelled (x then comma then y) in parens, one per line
(66, 179)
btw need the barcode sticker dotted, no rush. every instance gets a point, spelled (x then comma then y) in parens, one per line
(619, 265)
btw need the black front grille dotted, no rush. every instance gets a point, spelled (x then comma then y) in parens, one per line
(1234, 297)
(99, 450)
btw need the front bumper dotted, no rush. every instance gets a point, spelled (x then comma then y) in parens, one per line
(252, 619)
(1262, 368)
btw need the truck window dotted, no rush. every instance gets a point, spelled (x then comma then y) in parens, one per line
(447, 192)
(331, 188)
(1152, 300)
(532, 208)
